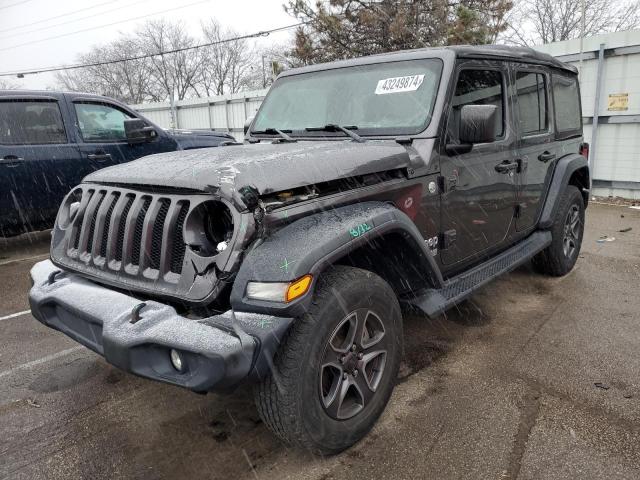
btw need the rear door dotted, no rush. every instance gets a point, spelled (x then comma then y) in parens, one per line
(478, 201)
(537, 149)
(37, 159)
(101, 134)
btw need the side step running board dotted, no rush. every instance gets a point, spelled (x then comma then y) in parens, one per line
(435, 301)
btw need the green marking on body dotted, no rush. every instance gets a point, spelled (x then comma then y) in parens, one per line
(359, 230)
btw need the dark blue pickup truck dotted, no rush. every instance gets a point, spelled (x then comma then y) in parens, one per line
(50, 140)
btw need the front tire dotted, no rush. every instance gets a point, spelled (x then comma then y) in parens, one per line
(567, 231)
(334, 373)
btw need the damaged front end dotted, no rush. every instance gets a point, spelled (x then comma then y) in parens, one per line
(178, 245)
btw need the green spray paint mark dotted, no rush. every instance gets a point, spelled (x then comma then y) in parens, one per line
(285, 264)
(360, 230)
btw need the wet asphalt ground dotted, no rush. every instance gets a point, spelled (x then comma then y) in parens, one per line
(533, 378)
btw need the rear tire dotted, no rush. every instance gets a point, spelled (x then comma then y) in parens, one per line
(567, 231)
(330, 382)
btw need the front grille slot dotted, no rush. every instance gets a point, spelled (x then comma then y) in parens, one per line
(107, 224)
(94, 217)
(121, 227)
(158, 228)
(179, 247)
(137, 235)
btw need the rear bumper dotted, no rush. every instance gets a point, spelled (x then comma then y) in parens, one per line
(218, 352)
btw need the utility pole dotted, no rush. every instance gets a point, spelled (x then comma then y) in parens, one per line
(582, 28)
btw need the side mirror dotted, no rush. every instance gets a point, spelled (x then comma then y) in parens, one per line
(478, 124)
(247, 123)
(137, 131)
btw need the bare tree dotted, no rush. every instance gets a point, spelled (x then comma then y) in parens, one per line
(8, 85)
(129, 81)
(175, 73)
(534, 22)
(229, 65)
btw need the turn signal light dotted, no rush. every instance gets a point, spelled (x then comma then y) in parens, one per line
(298, 288)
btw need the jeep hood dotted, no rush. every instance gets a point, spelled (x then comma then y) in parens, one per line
(268, 167)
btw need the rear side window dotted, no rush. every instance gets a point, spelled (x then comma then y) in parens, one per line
(566, 99)
(477, 87)
(532, 102)
(100, 122)
(31, 122)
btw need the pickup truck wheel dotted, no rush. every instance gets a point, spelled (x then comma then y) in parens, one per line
(334, 373)
(568, 228)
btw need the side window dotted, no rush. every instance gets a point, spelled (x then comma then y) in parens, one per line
(477, 87)
(31, 122)
(100, 123)
(532, 102)
(566, 98)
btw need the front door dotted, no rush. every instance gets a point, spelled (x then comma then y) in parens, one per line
(102, 139)
(37, 160)
(479, 194)
(537, 148)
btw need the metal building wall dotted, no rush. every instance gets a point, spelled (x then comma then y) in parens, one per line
(226, 113)
(616, 157)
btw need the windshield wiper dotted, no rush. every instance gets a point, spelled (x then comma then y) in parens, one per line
(331, 127)
(275, 131)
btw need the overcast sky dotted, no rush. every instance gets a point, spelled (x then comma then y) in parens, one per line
(26, 21)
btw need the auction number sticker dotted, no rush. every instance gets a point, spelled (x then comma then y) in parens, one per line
(409, 83)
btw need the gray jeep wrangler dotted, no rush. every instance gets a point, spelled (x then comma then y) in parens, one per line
(410, 178)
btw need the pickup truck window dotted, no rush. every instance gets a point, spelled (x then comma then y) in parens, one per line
(100, 123)
(31, 122)
(383, 98)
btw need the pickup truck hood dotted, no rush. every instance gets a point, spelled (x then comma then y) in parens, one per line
(267, 167)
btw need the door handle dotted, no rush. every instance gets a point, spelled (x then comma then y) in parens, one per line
(545, 157)
(99, 156)
(506, 166)
(11, 161)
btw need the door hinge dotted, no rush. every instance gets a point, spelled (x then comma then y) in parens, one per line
(447, 239)
(522, 165)
(446, 184)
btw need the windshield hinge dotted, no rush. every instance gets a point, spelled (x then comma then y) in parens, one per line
(404, 140)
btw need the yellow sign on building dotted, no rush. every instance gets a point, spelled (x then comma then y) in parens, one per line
(618, 101)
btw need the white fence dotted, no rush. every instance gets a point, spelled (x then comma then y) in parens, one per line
(610, 74)
(226, 113)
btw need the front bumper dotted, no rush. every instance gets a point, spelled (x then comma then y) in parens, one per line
(218, 352)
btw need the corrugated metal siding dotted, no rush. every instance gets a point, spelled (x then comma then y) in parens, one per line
(616, 168)
(226, 112)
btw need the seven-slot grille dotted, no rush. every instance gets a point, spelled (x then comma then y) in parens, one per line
(133, 233)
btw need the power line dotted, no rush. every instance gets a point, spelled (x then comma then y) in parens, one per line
(263, 33)
(15, 4)
(101, 26)
(54, 18)
(28, 32)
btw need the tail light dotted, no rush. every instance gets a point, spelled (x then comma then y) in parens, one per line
(584, 150)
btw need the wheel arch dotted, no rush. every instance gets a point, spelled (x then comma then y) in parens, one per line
(572, 169)
(358, 235)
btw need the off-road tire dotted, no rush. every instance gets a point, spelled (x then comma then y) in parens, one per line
(289, 399)
(554, 260)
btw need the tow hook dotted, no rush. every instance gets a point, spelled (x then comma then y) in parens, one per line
(135, 312)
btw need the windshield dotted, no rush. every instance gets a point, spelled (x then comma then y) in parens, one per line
(383, 99)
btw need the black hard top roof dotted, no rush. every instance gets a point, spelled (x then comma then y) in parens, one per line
(502, 52)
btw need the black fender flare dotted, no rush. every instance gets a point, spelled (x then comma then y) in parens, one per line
(311, 244)
(564, 169)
